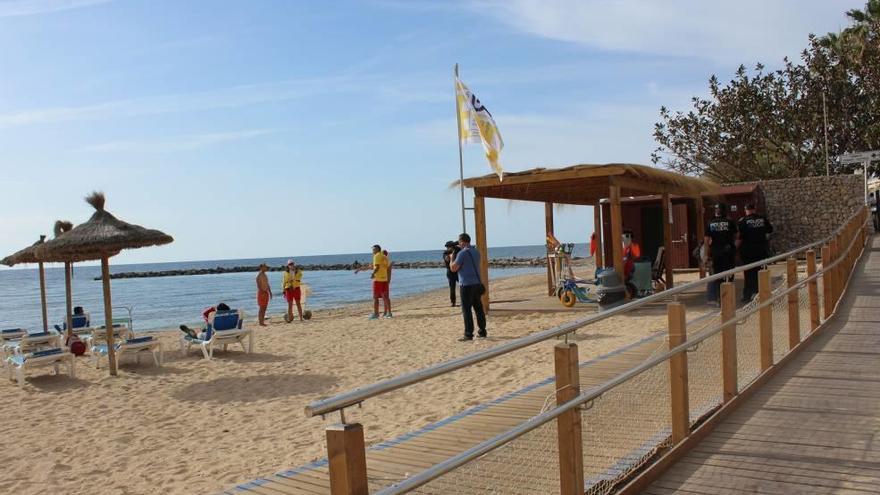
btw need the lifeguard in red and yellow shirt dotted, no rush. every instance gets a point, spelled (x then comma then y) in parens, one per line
(631, 252)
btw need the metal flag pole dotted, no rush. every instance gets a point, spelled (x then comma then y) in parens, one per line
(825, 121)
(460, 157)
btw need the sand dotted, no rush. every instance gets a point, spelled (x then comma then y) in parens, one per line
(194, 426)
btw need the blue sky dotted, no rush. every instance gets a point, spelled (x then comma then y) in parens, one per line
(325, 127)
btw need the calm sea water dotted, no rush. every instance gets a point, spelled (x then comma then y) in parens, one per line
(165, 302)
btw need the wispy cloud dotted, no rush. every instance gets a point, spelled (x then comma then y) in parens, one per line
(728, 32)
(177, 143)
(392, 93)
(231, 97)
(15, 8)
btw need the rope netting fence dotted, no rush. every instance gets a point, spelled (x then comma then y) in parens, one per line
(529, 464)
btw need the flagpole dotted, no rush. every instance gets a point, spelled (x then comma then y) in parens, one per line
(460, 158)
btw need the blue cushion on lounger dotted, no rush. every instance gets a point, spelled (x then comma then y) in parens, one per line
(38, 334)
(139, 340)
(46, 352)
(226, 320)
(11, 330)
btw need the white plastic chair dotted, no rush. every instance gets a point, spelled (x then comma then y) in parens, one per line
(224, 328)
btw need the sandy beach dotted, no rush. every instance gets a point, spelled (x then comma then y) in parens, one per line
(194, 426)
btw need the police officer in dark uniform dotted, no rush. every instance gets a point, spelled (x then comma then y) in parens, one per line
(721, 239)
(754, 233)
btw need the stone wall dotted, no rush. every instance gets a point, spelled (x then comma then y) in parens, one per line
(806, 209)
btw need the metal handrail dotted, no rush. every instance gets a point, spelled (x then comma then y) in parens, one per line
(348, 399)
(535, 422)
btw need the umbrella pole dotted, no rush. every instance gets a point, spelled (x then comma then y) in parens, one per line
(43, 297)
(68, 299)
(108, 313)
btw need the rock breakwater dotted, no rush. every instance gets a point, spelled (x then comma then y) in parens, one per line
(493, 263)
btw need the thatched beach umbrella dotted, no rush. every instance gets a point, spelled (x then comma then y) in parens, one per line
(101, 237)
(27, 255)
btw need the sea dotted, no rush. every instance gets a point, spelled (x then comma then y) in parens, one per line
(165, 302)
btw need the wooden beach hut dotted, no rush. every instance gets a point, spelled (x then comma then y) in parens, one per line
(100, 238)
(643, 215)
(584, 185)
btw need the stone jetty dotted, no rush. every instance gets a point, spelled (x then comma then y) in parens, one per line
(494, 263)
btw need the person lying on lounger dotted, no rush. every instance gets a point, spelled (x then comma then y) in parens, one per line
(206, 315)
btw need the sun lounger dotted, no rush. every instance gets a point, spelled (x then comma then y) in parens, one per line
(133, 346)
(29, 342)
(10, 334)
(224, 328)
(19, 362)
(98, 335)
(79, 325)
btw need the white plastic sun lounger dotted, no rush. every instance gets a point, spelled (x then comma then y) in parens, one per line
(18, 363)
(224, 328)
(130, 347)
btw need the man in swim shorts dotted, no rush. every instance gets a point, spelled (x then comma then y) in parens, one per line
(264, 293)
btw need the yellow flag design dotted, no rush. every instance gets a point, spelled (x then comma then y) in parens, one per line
(477, 125)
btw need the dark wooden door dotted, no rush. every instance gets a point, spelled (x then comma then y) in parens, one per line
(680, 256)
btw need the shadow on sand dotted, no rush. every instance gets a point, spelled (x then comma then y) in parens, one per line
(255, 388)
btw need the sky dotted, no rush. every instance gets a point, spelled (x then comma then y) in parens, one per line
(283, 128)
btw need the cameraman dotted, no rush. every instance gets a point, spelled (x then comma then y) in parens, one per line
(449, 255)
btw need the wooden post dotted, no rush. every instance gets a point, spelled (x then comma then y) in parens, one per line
(794, 317)
(678, 373)
(667, 238)
(728, 340)
(701, 225)
(108, 314)
(548, 229)
(43, 297)
(482, 246)
(765, 320)
(568, 425)
(813, 290)
(68, 298)
(834, 272)
(347, 459)
(827, 302)
(616, 231)
(597, 229)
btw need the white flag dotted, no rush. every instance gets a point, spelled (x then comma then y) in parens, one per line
(478, 126)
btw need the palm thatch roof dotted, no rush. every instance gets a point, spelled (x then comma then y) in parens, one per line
(586, 184)
(102, 235)
(26, 255)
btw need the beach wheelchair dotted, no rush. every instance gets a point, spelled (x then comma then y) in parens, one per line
(609, 290)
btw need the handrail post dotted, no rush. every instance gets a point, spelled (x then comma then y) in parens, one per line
(728, 340)
(678, 373)
(835, 272)
(827, 302)
(813, 290)
(568, 424)
(765, 321)
(794, 316)
(347, 459)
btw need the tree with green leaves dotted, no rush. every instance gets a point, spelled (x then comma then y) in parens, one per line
(770, 124)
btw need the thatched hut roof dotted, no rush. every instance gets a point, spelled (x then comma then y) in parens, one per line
(26, 255)
(102, 235)
(586, 184)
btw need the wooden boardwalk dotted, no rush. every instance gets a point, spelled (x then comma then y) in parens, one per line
(413, 452)
(814, 428)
